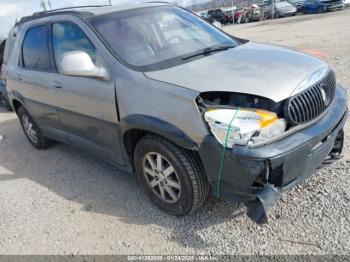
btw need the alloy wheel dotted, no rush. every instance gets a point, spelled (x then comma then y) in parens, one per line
(29, 129)
(161, 177)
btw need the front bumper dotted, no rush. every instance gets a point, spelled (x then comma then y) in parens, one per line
(267, 171)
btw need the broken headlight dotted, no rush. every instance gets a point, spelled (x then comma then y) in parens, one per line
(245, 126)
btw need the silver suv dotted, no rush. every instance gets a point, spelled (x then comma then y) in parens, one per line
(158, 91)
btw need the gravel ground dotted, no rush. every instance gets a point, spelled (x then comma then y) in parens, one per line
(64, 201)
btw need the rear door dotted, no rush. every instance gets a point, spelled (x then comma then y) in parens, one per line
(88, 106)
(30, 77)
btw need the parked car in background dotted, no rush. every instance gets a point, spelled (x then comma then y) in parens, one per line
(202, 15)
(299, 4)
(346, 3)
(251, 13)
(4, 99)
(277, 8)
(216, 15)
(237, 14)
(320, 6)
(2, 49)
(229, 16)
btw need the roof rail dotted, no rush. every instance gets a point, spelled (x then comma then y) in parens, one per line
(66, 8)
(47, 13)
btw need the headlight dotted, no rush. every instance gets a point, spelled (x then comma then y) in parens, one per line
(247, 126)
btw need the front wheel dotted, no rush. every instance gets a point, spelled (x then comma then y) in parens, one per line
(31, 130)
(171, 176)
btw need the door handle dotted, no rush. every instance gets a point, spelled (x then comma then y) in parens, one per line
(56, 85)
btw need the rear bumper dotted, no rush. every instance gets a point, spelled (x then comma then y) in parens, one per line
(279, 165)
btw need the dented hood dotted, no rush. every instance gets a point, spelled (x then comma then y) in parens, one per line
(252, 68)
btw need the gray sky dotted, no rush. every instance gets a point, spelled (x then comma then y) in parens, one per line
(12, 9)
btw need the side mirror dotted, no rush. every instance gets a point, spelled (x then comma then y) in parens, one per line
(79, 63)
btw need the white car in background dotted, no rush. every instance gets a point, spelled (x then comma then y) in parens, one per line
(346, 2)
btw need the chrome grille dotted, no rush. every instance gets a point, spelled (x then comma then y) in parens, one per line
(312, 102)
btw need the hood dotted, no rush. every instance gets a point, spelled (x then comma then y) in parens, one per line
(252, 68)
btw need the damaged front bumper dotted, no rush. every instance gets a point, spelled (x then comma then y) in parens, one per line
(258, 176)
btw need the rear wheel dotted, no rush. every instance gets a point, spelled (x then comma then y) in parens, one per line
(32, 131)
(171, 176)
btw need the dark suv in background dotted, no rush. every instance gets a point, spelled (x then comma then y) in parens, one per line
(216, 15)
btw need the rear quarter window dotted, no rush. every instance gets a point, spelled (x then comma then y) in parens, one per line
(10, 41)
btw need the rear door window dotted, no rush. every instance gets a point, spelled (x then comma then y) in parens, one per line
(35, 51)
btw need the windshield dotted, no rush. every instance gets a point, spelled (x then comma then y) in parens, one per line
(152, 36)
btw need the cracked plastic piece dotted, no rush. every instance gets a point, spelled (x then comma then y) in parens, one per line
(266, 199)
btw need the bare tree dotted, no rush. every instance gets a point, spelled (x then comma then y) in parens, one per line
(43, 5)
(49, 2)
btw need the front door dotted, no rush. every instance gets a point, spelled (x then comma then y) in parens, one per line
(88, 107)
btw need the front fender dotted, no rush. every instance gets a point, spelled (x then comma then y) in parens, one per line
(156, 126)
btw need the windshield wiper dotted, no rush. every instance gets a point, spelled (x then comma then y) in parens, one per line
(207, 51)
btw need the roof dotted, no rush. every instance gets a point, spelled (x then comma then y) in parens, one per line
(84, 11)
(123, 7)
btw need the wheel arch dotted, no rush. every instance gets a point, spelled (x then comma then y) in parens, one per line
(16, 104)
(135, 127)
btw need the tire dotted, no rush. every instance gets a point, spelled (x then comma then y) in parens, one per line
(319, 10)
(32, 131)
(191, 188)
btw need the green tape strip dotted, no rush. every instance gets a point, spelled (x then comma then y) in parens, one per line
(222, 160)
